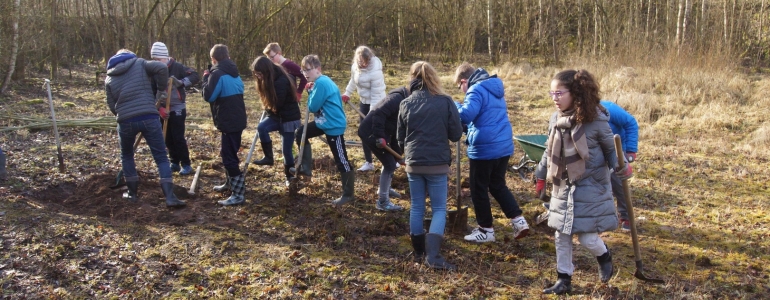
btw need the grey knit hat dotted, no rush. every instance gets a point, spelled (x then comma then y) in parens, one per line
(159, 50)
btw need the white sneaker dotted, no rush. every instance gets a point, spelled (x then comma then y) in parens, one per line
(520, 227)
(366, 167)
(480, 235)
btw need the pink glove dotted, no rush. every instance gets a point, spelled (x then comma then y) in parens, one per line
(309, 86)
(540, 188)
(625, 174)
(163, 112)
(381, 143)
(345, 98)
(630, 156)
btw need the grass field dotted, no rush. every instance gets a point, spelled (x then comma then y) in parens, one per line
(700, 193)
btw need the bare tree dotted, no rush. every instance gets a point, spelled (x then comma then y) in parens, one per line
(16, 13)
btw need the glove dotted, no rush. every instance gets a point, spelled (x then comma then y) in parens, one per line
(345, 99)
(299, 95)
(309, 86)
(160, 97)
(381, 143)
(630, 156)
(540, 187)
(163, 113)
(626, 173)
(177, 83)
(402, 162)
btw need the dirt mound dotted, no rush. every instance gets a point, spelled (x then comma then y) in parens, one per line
(93, 197)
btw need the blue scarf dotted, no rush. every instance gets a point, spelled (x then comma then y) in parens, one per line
(119, 58)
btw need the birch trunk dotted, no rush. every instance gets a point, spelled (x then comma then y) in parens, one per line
(15, 48)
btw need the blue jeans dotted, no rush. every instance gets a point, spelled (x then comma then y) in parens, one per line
(287, 138)
(152, 132)
(436, 185)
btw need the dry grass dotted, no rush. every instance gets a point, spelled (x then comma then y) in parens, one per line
(700, 194)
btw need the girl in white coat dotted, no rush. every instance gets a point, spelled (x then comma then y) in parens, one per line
(366, 77)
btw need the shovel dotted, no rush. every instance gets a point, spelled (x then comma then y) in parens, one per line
(390, 150)
(294, 186)
(253, 144)
(458, 217)
(119, 182)
(637, 252)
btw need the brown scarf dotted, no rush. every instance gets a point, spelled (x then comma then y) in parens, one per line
(574, 147)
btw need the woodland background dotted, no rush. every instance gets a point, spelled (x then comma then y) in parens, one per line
(51, 34)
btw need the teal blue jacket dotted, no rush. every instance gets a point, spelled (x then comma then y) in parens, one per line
(325, 102)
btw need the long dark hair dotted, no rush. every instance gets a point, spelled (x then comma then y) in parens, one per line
(585, 93)
(266, 86)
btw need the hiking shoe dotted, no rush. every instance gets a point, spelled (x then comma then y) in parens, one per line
(366, 167)
(186, 170)
(392, 193)
(520, 227)
(175, 167)
(625, 225)
(388, 206)
(480, 235)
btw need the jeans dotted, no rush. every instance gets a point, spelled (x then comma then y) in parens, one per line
(287, 138)
(488, 177)
(152, 131)
(367, 151)
(436, 186)
(175, 141)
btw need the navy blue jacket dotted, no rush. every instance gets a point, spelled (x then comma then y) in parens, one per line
(223, 89)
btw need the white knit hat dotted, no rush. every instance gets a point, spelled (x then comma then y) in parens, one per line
(159, 50)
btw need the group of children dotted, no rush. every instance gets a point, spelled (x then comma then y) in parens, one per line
(418, 120)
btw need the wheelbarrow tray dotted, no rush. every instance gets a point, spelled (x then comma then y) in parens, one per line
(532, 145)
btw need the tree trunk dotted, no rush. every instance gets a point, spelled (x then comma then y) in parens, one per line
(400, 29)
(724, 10)
(761, 21)
(489, 30)
(685, 20)
(54, 52)
(15, 45)
(679, 23)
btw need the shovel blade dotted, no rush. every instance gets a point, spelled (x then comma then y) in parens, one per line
(457, 220)
(639, 275)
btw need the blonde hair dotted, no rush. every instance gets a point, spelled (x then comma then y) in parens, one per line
(363, 53)
(272, 47)
(424, 71)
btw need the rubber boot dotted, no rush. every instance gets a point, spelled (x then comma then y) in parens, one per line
(418, 244)
(225, 186)
(605, 266)
(267, 148)
(306, 166)
(131, 194)
(562, 286)
(289, 176)
(238, 188)
(348, 186)
(432, 257)
(3, 171)
(171, 199)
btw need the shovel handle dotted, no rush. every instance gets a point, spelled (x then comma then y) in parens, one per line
(356, 109)
(168, 104)
(629, 204)
(390, 150)
(302, 142)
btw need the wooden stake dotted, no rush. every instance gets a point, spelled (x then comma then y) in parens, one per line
(55, 128)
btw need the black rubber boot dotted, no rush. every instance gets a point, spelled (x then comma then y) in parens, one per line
(289, 176)
(348, 188)
(605, 266)
(225, 186)
(562, 286)
(171, 199)
(432, 257)
(418, 244)
(131, 194)
(267, 148)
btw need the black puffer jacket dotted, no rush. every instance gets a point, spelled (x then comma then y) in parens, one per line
(425, 125)
(382, 119)
(288, 107)
(129, 87)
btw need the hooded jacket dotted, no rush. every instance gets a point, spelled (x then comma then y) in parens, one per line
(223, 89)
(585, 204)
(370, 82)
(623, 124)
(129, 87)
(485, 112)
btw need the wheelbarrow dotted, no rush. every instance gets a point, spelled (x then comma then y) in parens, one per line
(533, 147)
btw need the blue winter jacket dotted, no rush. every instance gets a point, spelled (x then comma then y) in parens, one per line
(325, 102)
(623, 124)
(484, 110)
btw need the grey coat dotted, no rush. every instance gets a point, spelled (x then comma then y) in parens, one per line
(585, 204)
(129, 87)
(425, 123)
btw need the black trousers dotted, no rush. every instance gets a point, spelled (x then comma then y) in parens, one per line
(336, 145)
(231, 143)
(367, 150)
(488, 177)
(175, 141)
